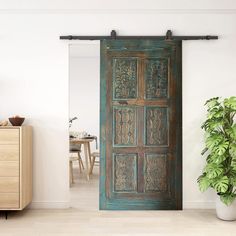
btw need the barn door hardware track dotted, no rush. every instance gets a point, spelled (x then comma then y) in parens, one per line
(114, 36)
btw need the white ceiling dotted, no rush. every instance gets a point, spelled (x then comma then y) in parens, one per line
(114, 4)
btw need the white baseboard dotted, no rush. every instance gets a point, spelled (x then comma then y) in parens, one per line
(199, 205)
(49, 205)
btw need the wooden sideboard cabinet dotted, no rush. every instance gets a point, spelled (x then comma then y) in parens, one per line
(15, 167)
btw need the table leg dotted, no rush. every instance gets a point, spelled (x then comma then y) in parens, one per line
(89, 153)
(86, 151)
(71, 174)
(92, 165)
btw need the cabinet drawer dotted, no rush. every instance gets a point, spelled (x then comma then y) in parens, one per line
(9, 169)
(9, 153)
(9, 184)
(9, 200)
(9, 136)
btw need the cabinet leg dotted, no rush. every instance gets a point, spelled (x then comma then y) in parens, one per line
(6, 215)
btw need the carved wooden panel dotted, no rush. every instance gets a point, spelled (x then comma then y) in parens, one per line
(156, 78)
(155, 174)
(125, 172)
(124, 131)
(156, 126)
(124, 72)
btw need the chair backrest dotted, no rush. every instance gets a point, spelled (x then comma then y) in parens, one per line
(75, 147)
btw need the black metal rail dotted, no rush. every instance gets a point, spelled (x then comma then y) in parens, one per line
(114, 36)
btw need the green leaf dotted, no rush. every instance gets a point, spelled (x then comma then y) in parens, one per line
(232, 150)
(231, 132)
(213, 141)
(232, 181)
(234, 131)
(230, 103)
(216, 113)
(213, 170)
(219, 114)
(203, 182)
(221, 185)
(209, 159)
(222, 147)
(213, 125)
(204, 151)
(205, 125)
(219, 159)
(217, 124)
(233, 163)
(211, 103)
(227, 198)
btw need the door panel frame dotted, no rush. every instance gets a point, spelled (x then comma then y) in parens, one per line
(122, 204)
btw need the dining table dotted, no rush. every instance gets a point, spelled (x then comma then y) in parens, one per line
(85, 142)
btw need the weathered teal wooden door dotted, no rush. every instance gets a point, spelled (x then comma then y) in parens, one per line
(141, 137)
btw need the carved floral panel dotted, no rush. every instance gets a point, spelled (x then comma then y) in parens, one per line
(124, 126)
(125, 172)
(124, 78)
(156, 78)
(156, 126)
(155, 173)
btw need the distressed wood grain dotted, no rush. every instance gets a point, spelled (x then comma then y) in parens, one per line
(141, 119)
(156, 78)
(155, 173)
(124, 172)
(124, 126)
(124, 78)
(157, 126)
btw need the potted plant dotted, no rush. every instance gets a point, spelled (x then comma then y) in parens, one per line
(220, 151)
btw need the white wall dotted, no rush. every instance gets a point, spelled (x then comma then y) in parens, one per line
(84, 68)
(34, 74)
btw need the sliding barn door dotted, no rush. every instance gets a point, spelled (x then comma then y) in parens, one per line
(141, 138)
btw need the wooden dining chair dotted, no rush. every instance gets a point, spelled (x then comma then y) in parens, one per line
(94, 155)
(75, 149)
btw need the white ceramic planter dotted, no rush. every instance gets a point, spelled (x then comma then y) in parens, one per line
(224, 212)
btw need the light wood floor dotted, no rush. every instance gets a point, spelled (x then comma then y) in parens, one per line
(115, 223)
(85, 194)
(84, 219)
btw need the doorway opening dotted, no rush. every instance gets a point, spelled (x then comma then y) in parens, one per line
(84, 80)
